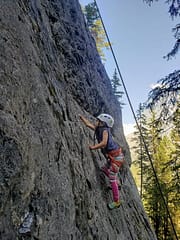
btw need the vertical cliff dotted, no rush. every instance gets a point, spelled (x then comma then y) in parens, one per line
(50, 186)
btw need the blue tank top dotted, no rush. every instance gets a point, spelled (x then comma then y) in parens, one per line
(111, 144)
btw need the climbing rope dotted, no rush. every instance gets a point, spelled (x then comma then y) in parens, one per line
(142, 137)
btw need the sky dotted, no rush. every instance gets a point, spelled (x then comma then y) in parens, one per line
(140, 35)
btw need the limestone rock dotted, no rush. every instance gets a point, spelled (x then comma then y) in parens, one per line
(50, 182)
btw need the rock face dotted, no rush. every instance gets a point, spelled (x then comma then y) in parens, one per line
(50, 183)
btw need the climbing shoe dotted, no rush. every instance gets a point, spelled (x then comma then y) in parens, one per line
(114, 205)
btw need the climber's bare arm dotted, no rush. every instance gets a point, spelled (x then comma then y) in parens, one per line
(87, 123)
(103, 143)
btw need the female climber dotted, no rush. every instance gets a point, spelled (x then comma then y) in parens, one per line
(110, 149)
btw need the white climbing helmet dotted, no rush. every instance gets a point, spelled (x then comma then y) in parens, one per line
(107, 119)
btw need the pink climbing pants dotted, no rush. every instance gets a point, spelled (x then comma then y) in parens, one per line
(112, 173)
(116, 161)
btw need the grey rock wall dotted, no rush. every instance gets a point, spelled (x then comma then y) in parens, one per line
(50, 183)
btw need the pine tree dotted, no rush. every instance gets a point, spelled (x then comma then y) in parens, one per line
(160, 148)
(174, 166)
(165, 96)
(96, 28)
(142, 161)
(175, 157)
(115, 82)
(91, 14)
(163, 153)
(174, 11)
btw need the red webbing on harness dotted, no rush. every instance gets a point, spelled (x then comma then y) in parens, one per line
(115, 153)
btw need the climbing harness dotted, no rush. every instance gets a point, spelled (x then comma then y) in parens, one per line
(116, 157)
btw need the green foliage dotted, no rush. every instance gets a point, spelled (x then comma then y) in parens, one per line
(165, 154)
(96, 28)
(161, 130)
(91, 14)
(166, 94)
(174, 163)
(142, 161)
(115, 82)
(174, 11)
(176, 46)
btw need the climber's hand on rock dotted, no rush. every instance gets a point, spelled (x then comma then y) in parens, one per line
(91, 147)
